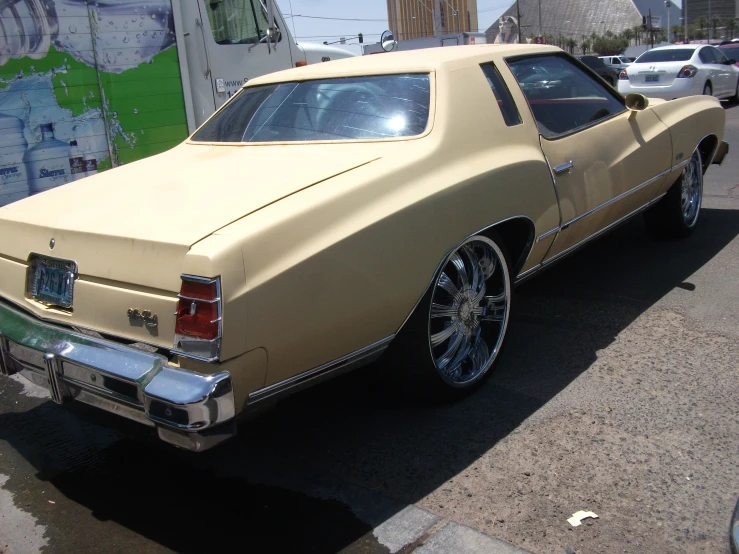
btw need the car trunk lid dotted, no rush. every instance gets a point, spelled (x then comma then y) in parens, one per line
(654, 74)
(129, 230)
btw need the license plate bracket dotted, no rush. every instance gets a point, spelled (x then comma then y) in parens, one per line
(51, 281)
(651, 78)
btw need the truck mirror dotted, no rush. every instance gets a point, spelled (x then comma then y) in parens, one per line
(388, 42)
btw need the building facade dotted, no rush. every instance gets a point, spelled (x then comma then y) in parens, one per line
(708, 9)
(409, 19)
(564, 18)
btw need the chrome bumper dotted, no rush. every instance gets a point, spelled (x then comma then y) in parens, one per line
(190, 410)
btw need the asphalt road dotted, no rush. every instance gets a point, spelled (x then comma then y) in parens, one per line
(617, 394)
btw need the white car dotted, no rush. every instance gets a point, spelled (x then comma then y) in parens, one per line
(619, 62)
(681, 70)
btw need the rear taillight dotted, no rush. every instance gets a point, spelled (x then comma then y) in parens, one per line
(687, 71)
(198, 325)
(623, 76)
(301, 64)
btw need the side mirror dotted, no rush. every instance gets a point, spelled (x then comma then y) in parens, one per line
(388, 42)
(636, 102)
(730, 61)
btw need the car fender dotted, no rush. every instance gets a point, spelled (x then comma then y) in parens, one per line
(691, 120)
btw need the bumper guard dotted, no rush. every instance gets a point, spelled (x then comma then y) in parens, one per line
(190, 410)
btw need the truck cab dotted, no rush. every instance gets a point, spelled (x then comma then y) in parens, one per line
(228, 42)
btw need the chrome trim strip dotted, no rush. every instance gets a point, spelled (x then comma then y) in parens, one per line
(528, 272)
(680, 165)
(346, 363)
(548, 233)
(199, 299)
(616, 198)
(601, 231)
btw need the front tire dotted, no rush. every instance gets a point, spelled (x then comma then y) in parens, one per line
(677, 213)
(453, 339)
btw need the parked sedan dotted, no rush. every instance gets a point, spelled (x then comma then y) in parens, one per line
(682, 70)
(731, 50)
(329, 215)
(607, 73)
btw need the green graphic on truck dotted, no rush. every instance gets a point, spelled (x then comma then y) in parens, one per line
(86, 85)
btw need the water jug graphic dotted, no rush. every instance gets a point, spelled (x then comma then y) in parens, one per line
(76, 161)
(13, 145)
(91, 164)
(48, 162)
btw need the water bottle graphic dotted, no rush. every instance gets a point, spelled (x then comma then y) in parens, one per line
(13, 145)
(47, 162)
(91, 164)
(126, 32)
(27, 29)
(76, 161)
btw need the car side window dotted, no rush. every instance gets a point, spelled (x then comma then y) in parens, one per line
(502, 95)
(563, 96)
(706, 56)
(719, 55)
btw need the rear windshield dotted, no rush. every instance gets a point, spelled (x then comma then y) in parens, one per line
(670, 55)
(373, 107)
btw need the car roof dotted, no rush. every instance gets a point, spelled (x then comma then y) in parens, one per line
(677, 47)
(448, 58)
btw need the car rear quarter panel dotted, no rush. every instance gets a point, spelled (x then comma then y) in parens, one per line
(340, 266)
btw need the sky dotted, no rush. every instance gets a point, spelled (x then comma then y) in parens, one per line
(370, 18)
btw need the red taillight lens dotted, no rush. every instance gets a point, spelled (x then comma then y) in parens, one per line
(687, 71)
(198, 310)
(623, 76)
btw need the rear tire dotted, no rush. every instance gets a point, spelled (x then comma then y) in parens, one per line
(707, 89)
(676, 215)
(453, 339)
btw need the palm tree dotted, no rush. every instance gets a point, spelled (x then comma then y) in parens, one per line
(628, 34)
(637, 33)
(701, 23)
(715, 22)
(677, 31)
(571, 45)
(585, 45)
(730, 25)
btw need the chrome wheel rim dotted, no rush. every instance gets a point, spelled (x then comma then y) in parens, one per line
(691, 190)
(469, 312)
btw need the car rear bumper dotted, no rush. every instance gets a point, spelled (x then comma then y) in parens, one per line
(190, 410)
(678, 89)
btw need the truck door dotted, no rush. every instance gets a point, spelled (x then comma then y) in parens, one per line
(227, 45)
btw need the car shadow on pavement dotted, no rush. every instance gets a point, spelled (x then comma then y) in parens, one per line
(358, 431)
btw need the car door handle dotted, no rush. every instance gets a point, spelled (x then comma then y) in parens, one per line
(563, 168)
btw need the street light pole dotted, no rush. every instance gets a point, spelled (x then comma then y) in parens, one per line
(518, 21)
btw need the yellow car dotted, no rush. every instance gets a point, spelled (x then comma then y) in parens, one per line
(328, 215)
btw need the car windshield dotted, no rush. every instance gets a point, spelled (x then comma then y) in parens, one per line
(666, 55)
(372, 107)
